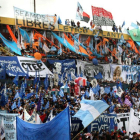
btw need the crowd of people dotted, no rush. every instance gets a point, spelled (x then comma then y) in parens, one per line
(54, 99)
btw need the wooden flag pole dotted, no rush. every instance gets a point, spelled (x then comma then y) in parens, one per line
(87, 126)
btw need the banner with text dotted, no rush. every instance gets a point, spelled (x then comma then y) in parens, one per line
(123, 121)
(23, 65)
(9, 127)
(34, 20)
(90, 70)
(101, 17)
(134, 123)
(107, 122)
(125, 73)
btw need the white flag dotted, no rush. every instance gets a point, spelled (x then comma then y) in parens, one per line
(26, 115)
(91, 94)
(45, 48)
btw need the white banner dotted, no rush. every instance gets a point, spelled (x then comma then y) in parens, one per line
(9, 128)
(123, 121)
(88, 69)
(33, 66)
(124, 73)
(29, 19)
(134, 123)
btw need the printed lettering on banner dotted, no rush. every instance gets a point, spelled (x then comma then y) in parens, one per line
(9, 128)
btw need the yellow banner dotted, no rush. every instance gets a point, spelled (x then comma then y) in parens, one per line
(62, 28)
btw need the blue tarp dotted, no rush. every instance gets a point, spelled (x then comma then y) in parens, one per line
(57, 129)
(11, 45)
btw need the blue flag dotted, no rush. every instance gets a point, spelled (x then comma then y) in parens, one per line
(111, 109)
(87, 111)
(98, 76)
(61, 93)
(16, 96)
(19, 104)
(14, 106)
(81, 74)
(53, 49)
(24, 35)
(47, 105)
(77, 36)
(95, 36)
(59, 21)
(54, 98)
(119, 84)
(87, 94)
(57, 129)
(15, 81)
(29, 95)
(123, 24)
(107, 90)
(103, 100)
(59, 51)
(46, 82)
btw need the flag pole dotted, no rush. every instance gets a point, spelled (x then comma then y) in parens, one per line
(87, 125)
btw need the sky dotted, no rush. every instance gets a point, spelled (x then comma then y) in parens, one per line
(122, 10)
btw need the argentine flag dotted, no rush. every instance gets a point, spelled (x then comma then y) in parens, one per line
(90, 110)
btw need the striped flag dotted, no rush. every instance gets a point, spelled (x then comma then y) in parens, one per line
(90, 110)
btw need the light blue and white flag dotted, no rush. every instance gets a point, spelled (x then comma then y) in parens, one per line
(134, 25)
(47, 105)
(61, 93)
(90, 110)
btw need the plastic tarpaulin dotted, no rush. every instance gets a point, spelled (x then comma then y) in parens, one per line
(64, 42)
(11, 45)
(19, 65)
(135, 34)
(57, 129)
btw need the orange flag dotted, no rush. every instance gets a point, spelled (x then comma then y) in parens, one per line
(105, 40)
(93, 26)
(131, 42)
(114, 52)
(98, 45)
(11, 33)
(87, 41)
